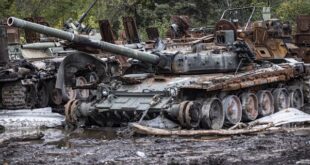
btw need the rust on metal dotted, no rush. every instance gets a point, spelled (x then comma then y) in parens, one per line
(106, 31)
(131, 30)
(152, 33)
(303, 30)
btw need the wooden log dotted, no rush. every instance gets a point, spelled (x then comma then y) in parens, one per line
(138, 128)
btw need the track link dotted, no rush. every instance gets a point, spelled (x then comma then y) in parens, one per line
(15, 96)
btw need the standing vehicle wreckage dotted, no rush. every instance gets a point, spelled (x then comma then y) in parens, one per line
(29, 72)
(24, 83)
(240, 76)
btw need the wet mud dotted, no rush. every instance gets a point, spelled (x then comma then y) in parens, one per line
(106, 146)
(119, 146)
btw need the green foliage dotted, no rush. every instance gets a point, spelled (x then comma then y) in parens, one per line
(146, 12)
(289, 9)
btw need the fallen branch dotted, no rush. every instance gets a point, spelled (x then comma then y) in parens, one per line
(138, 128)
(238, 125)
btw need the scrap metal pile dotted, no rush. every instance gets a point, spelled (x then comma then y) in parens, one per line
(245, 70)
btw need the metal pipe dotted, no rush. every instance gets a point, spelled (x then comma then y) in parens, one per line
(43, 45)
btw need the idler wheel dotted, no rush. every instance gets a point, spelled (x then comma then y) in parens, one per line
(296, 98)
(281, 99)
(212, 114)
(233, 109)
(265, 103)
(249, 103)
(70, 114)
(82, 93)
(189, 114)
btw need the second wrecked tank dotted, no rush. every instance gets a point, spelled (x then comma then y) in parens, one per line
(221, 83)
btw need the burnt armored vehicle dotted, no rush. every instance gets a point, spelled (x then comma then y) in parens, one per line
(23, 84)
(207, 88)
(28, 79)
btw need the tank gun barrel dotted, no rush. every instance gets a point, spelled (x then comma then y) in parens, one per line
(82, 40)
(43, 45)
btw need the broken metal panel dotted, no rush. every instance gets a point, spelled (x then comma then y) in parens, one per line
(131, 30)
(303, 30)
(13, 35)
(106, 31)
(303, 24)
(4, 56)
(152, 33)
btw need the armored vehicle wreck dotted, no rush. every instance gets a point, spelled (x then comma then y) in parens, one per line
(229, 80)
(39, 60)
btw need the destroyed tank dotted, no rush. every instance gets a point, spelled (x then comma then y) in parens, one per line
(208, 88)
(39, 60)
(23, 83)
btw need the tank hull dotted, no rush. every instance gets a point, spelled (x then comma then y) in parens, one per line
(147, 96)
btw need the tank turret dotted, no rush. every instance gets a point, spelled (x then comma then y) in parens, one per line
(202, 62)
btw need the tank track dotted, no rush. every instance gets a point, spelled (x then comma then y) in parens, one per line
(15, 96)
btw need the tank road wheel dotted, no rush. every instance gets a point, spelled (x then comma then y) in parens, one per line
(189, 114)
(43, 96)
(93, 78)
(82, 93)
(233, 109)
(281, 99)
(265, 103)
(296, 98)
(249, 106)
(212, 114)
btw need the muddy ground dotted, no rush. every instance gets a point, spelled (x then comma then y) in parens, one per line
(118, 146)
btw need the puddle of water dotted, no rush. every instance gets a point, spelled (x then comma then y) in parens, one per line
(96, 133)
(67, 139)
